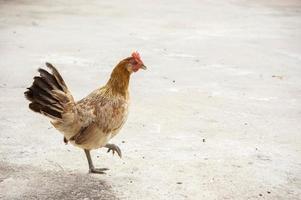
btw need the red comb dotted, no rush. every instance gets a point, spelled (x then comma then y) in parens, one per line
(136, 56)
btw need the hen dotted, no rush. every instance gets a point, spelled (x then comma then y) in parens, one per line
(91, 122)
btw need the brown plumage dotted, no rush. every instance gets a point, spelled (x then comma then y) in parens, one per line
(91, 122)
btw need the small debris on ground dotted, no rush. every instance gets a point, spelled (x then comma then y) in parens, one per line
(279, 77)
(179, 183)
(204, 140)
(34, 23)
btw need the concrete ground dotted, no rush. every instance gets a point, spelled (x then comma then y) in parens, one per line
(216, 116)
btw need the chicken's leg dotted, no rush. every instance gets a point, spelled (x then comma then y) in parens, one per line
(92, 169)
(114, 148)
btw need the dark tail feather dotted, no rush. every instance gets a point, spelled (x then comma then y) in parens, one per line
(36, 107)
(49, 78)
(41, 95)
(58, 77)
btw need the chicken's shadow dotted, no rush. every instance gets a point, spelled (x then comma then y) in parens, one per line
(27, 182)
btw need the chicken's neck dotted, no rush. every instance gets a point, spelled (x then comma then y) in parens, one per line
(119, 81)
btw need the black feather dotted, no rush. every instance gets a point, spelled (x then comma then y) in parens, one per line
(57, 76)
(39, 93)
(36, 107)
(41, 83)
(50, 79)
(28, 95)
(51, 112)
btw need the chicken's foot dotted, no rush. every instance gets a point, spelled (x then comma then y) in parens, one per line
(114, 148)
(92, 169)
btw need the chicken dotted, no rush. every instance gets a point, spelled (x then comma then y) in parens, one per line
(91, 122)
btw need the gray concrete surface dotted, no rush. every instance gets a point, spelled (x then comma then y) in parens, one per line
(216, 116)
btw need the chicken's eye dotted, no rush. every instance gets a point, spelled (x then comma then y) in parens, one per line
(134, 62)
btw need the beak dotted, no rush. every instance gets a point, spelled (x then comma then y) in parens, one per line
(143, 67)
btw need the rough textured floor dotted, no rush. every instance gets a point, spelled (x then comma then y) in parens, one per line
(216, 116)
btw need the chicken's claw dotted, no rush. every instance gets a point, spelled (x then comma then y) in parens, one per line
(98, 170)
(114, 148)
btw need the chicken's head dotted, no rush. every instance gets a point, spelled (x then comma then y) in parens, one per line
(135, 63)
